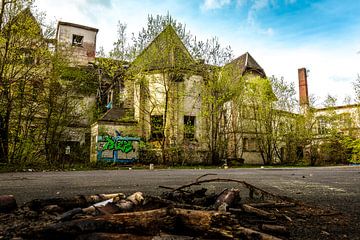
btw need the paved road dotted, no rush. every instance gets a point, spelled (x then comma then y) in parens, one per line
(331, 186)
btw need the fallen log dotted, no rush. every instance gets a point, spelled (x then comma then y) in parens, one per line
(274, 229)
(272, 204)
(198, 220)
(259, 212)
(80, 201)
(252, 189)
(144, 222)
(202, 223)
(247, 233)
(109, 206)
(112, 236)
(124, 236)
(158, 202)
(116, 205)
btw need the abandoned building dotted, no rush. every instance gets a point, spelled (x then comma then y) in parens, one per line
(171, 79)
(157, 101)
(164, 75)
(81, 38)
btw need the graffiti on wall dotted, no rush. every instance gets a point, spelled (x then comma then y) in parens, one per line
(118, 149)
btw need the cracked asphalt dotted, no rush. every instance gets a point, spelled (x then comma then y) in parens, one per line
(337, 187)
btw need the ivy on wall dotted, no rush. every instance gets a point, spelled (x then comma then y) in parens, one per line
(85, 80)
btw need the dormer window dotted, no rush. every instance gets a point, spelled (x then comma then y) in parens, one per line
(77, 40)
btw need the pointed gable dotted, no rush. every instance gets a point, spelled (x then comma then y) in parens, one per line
(165, 51)
(247, 64)
(25, 21)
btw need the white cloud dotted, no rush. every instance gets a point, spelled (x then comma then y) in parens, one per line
(241, 3)
(267, 32)
(214, 4)
(256, 6)
(330, 72)
(332, 68)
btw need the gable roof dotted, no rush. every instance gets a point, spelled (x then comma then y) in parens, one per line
(247, 64)
(25, 18)
(165, 51)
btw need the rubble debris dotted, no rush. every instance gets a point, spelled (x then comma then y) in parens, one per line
(259, 212)
(7, 203)
(112, 205)
(227, 199)
(274, 229)
(79, 201)
(193, 211)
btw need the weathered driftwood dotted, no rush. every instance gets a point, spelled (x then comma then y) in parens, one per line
(144, 223)
(153, 201)
(259, 212)
(203, 223)
(274, 229)
(80, 201)
(109, 206)
(227, 199)
(198, 220)
(112, 236)
(252, 189)
(7, 203)
(125, 236)
(247, 233)
(272, 204)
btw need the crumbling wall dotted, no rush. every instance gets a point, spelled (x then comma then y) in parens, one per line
(80, 52)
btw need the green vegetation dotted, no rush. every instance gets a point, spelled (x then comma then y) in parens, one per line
(40, 97)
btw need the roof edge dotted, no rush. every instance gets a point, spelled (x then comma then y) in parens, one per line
(78, 26)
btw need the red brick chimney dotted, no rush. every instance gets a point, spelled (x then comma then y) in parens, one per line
(303, 87)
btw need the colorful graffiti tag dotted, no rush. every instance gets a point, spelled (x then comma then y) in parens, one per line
(117, 149)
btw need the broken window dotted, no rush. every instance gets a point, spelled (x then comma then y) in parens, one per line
(157, 122)
(345, 120)
(323, 126)
(109, 104)
(177, 77)
(250, 144)
(77, 40)
(189, 127)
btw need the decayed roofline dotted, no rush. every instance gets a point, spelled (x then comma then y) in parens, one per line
(77, 25)
(337, 107)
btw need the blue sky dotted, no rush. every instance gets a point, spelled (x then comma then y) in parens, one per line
(282, 35)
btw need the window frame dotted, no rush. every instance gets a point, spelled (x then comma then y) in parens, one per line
(156, 127)
(77, 40)
(189, 129)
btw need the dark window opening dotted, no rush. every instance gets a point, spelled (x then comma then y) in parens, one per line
(189, 127)
(77, 40)
(177, 77)
(157, 122)
(29, 57)
(323, 126)
(299, 152)
(110, 96)
(250, 144)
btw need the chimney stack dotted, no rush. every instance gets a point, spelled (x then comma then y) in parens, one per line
(303, 88)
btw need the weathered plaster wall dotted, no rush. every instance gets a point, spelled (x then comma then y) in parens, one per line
(184, 99)
(79, 55)
(350, 113)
